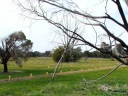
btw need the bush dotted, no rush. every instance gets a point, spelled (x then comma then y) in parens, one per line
(70, 56)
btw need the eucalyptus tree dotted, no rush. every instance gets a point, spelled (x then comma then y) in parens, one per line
(14, 47)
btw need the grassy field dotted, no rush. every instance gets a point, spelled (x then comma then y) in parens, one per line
(65, 84)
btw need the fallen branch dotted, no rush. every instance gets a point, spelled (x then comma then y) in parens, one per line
(103, 76)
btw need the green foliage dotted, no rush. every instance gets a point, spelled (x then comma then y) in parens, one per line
(14, 46)
(47, 54)
(57, 53)
(40, 54)
(72, 55)
(96, 54)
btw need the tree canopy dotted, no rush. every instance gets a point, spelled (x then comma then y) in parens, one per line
(69, 56)
(14, 47)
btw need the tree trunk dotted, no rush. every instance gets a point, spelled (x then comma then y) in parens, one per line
(5, 67)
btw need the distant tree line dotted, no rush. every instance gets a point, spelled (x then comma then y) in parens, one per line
(95, 54)
(40, 54)
(117, 50)
(77, 52)
(83, 54)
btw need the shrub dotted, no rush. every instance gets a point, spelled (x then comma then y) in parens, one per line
(70, 55)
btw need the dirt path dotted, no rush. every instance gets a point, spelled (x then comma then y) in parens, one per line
(46, 75)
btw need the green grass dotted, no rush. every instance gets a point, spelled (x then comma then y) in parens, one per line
(38, 66)
(69, 85)
(66, 85)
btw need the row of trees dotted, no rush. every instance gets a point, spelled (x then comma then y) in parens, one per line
(116, 50)
(74, 54)
(40, 54)
(95, 54)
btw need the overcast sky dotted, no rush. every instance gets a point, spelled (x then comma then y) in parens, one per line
(40, 32)
(11, 21)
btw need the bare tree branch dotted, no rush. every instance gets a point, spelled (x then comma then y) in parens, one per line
(103, 76)
(122, 14)
(60, 10)
(53, 76)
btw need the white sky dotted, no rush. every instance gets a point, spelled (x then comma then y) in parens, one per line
(40, 32)
(11, 21)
